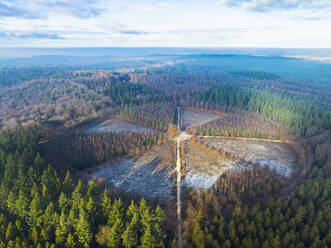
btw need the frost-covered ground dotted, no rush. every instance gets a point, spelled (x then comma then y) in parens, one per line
(152, 175)
(193, 118)
(194, 179)
(278, 156)
(117, 125)
(148, 176)
(203, 168)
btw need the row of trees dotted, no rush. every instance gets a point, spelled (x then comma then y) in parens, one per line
(82, 150)
(38, 209)
(243, 124)
(294, 111)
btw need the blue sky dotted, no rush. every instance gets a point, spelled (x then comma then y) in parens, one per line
(170, 23)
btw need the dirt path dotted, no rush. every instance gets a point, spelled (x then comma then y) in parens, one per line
(179, 212)
(178, 119)
(243, 138)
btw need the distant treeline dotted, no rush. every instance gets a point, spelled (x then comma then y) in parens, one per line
(10, 76)
(256, 75)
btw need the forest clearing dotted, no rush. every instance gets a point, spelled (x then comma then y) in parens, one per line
(117, 125)
(149, 176)
(203, 162)
(276, 155)
(202, 169)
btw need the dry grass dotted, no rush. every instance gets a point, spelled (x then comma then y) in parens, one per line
(203, 161)
(193, 118)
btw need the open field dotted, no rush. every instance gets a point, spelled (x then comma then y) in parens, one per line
(149, 176)
(117, 125)
(193, 118)
(203, 168)
(276, 155)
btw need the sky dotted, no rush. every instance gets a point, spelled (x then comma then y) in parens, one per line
(166, 23)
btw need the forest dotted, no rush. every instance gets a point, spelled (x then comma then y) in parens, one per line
(45, 151)
(158, 115)
(40, 209)
(79, 150)
(301, 221)
(244, 124)
(295, 112)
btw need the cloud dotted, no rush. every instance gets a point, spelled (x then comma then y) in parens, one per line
(83, 9)
(270, 5)
(42, 8)
(164, 23)
(41, 36)
(307, 18)
(133, 32)
(195, 31)
(28, 35)
(6, 10)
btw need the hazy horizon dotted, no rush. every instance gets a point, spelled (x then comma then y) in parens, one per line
(317, 54)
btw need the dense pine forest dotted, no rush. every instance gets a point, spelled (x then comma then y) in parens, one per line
(45, 152)
(301, 221)
(40, 209)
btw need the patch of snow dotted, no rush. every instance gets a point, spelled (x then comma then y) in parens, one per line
(117, 125)
(195, 180)
(277, 156)
(285, 169)
(144, 179)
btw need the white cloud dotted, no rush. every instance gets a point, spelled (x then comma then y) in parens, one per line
(165, 23)
(271, 5)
